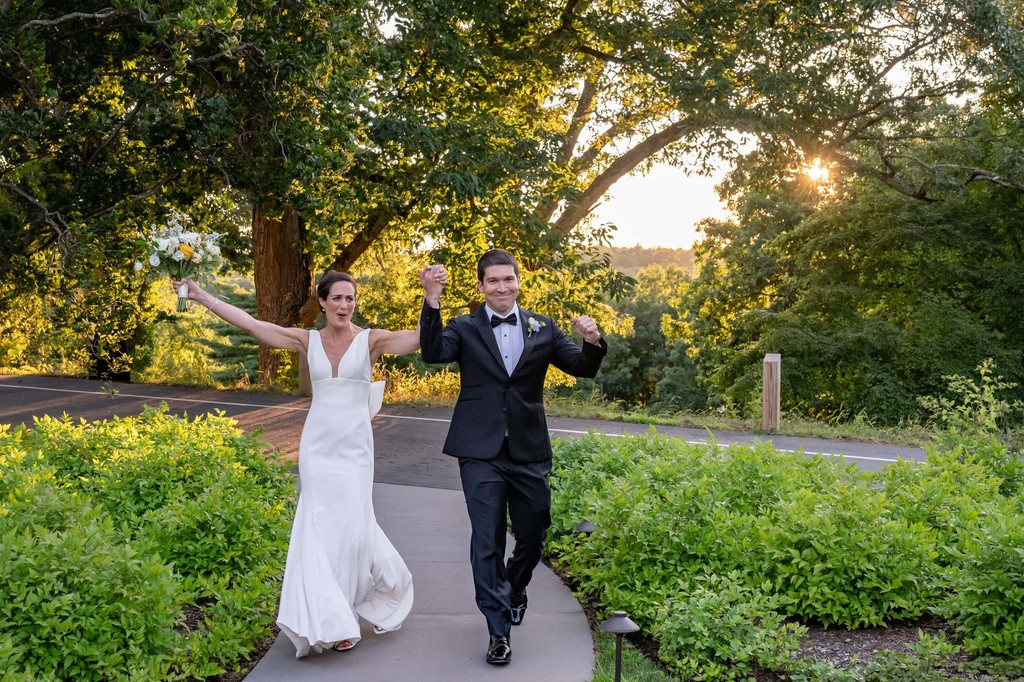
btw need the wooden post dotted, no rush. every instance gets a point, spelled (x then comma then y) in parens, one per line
(771, 396)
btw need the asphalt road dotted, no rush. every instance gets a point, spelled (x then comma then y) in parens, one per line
(407, 438)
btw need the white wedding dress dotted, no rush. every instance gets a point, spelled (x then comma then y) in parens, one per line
(340, 564)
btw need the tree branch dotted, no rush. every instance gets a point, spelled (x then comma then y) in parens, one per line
(104, 14)
(581, 116)
(623, 165)
(47, 216)
(378, 222)
(603, 55)
(974, 174)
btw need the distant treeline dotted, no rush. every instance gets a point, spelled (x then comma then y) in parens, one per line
(630, 260)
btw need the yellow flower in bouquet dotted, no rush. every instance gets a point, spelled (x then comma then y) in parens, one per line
(180, 253)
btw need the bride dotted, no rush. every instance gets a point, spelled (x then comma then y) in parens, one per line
(340, 564)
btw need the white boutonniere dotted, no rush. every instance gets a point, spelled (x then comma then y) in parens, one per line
(533, 325)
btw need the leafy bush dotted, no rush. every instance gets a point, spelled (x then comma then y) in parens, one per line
(948, 492)
(668, 513)
(973, 407)
(114, 529)
(813, 539)
(78, 603)
(836, 556)
(988, 603)
(722, 629)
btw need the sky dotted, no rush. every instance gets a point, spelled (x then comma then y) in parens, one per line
(660, 208)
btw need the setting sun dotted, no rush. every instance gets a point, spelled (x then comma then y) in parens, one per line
(816, 172)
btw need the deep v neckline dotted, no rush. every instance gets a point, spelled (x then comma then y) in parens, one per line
(335, 369)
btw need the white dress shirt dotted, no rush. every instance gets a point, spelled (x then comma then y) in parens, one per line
(509, 338)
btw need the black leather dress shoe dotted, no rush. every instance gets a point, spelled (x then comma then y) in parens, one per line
(499, 652)
(518, 603)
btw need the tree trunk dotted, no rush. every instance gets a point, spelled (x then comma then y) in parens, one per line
(376, 224)
(281, 274)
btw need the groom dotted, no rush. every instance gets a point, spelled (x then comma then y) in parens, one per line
(498, 430)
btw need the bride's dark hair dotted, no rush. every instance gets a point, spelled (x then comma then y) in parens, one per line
(323, 287)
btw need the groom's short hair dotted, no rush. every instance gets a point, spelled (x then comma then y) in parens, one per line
(495, 257)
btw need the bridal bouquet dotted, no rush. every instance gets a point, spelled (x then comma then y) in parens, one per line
(180, 252)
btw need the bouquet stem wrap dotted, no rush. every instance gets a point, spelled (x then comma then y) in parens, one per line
(182, 298)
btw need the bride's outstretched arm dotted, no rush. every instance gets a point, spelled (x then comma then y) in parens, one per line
(289, 338)
(384, 342)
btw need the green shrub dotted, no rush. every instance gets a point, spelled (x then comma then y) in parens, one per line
(946, 492)
(814, 539)
(996, 458)
(722, 630)
(987, 604)
(583, 465)
(837, 556)
(660, 522)
(146, 517)
(78, 604)
(220, 532)
(973, 407)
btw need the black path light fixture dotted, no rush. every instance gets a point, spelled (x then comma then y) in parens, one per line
(585, 527)
(619, 624)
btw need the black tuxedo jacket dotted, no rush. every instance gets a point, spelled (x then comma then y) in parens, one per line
(492, 403)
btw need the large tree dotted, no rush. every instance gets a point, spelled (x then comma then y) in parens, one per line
(113, 113)
(457, 124)
(487, 109)
(872, 296)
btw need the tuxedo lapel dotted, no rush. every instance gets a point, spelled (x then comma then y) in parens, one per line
(529, 340)
(483, 325)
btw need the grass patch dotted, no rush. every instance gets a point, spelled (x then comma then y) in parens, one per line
(636, 667)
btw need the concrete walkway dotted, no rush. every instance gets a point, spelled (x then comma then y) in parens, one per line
(445, 638)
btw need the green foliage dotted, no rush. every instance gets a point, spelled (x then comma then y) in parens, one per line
(78, 602)
(722, 630)
(836, 556)
(199, 349)
(871, 297)
(180, 354)
(988, 604)
(710, 548)
(947, 492)
(114, 529)
(643, 367)
(973, 407)
(815, 532)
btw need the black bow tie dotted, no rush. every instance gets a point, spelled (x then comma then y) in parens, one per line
(495, 320)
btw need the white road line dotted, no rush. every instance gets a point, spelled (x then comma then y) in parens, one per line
(119, 394)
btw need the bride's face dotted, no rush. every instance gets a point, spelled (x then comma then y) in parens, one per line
(340, 303)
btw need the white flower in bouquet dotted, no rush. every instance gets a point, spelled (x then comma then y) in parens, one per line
(181, 253)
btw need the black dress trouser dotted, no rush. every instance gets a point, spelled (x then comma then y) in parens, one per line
(493, 488)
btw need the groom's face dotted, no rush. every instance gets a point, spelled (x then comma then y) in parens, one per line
(500, 286)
